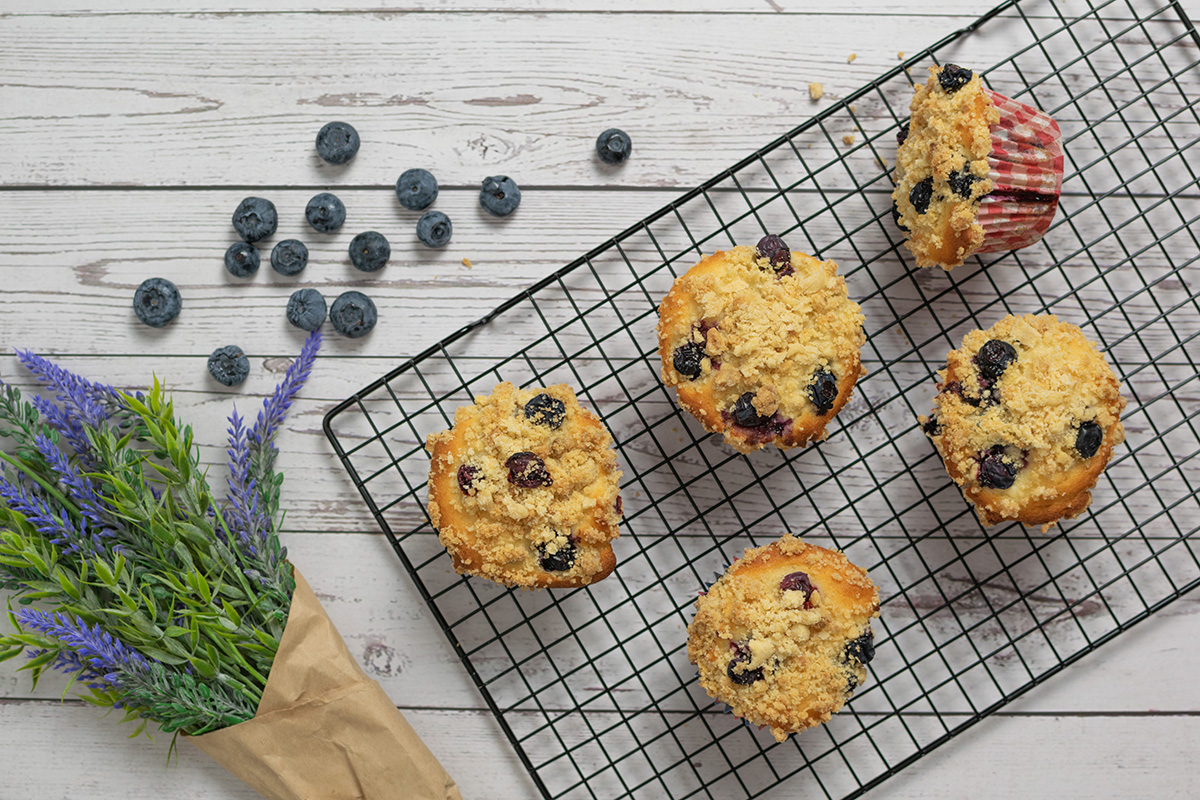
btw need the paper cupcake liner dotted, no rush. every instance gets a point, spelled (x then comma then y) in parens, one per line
(1026, 168)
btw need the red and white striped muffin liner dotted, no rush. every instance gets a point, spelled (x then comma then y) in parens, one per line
(1026, 169)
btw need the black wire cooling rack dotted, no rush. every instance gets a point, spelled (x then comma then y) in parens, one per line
(593, 686)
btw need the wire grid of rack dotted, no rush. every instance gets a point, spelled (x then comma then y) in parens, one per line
(592, 686)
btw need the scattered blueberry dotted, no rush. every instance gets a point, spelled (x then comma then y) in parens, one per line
(241, 259)
(775, 250)
(961, 183)
(687, 360)
(798, 582)
(337, 142)
(823, 391)
(467, 475)
(614, 146)
(932, 427)
(953, 77)
(353, 314)
(499, 195)
(861, 649)
(560, 560)
(921, 194)
(746, 415)
(546, 410)
(1089, 438)
(289, 257)
(902, 134)
(896, 217)
(306, 309)
(434, 229)
(255, 218)
(325, 212)
(746, 676)
(156, 302)
(416, 189)
(370, 251)
(527, 471)
(229, 365)
(994, 357)
(995, 472)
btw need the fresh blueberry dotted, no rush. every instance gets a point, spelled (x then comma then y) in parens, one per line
(306, 309)
(614, 146)
(353, 314)
(896, 217)
(337, 142)
(861, 649)
(370, 251)
(499, 195)
(467, 475)
(798, 582)
(687, 360)
(1089, 438)
(156, 302)
(527, 471)
(229, 365)
(325, 212)
(546, 410)
(241, 259)
(255, 218)
(953, 77)
(994, 357)
(775, 250)
(746, 676)
(289, 257)
(961, 183)
(416, 189)
(921, 195)
(902, 134)
(995, 472)
(434, 229)
(823, 391)
(560, 560)
(746, 415)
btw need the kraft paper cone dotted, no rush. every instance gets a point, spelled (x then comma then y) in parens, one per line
(324, 730)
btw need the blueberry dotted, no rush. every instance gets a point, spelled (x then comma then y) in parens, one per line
(861, 649)
(370, 251)
(434, 229)
(619, 506)
(560, 560)
(306, 309)
(746, 415)
(241, 259)
(932, 427)
(746, 676)
(798, 582)
(546, 410)
(289, 257)
(994, 357)
(953, 77)
(229, 365)
(1089, 438)
(337, 142)
(902, 134)
(614, 146)
(255, 218)
(896, 217)
(416, 189)
(467, 475)
(687, 360)
(961, 183)
(499, 195)
(527, 471)
(823, 391)
(353, 314)
(156, 302)
(995, 472)
(775, 250)
(325, 212)
(921, 194)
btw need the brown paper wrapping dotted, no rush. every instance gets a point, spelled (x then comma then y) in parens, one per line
(324, 730)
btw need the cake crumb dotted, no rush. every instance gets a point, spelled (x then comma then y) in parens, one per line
(815, 91)
(881, 161)
(900, 56)
(848, 139)
(467, 263)
(853, 56)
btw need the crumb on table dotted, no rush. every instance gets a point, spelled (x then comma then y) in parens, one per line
(900, 56)
(815, 91)
(853, 56)
(467, 263)
(848, 139)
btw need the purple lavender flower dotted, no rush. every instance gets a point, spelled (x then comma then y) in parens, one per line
(243, 514)
(65, 423)
(90, 402)
(68, 662)
(103, 655)
(276, 406)
(79, 488)
(56, 526)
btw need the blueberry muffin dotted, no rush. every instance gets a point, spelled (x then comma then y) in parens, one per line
(976, 172)
(784, 636)
(523, 489)
(761, 344)
(1026, 418)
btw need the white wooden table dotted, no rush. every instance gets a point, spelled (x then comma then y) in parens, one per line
(131, 128)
